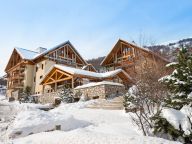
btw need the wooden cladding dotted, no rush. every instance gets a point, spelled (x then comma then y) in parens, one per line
(65, 55)
(56, 76)
(14, 60)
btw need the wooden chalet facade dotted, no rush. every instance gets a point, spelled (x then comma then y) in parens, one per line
(46, 71)
(61, 75)
(27, 68)
(132, 59)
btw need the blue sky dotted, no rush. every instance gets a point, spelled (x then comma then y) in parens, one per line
(92, 26)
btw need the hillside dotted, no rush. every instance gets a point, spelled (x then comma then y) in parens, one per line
(169, 49)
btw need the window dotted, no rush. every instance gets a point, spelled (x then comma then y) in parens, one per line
(42, 66)
(36, 69)
(41, 77)
(34, 79)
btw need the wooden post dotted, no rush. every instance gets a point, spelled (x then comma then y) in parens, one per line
(55, 86)
(72, 82)
(43, 89)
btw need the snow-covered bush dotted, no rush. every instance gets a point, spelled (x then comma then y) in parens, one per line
(144, 99)
(67, 95)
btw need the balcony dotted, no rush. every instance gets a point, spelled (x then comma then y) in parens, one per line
(16, 85)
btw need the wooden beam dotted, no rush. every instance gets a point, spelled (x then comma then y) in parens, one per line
(63, 72)
(60, 76)
(68, 78)
(15, 66)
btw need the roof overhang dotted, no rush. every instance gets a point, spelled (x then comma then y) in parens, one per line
(116, 46)
(71, 72)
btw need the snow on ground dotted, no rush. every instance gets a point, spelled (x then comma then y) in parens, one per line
(79, 125)
(35, 121)
(82, 136)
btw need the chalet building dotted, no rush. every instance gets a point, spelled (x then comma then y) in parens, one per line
(27, 68)
(47, 71)
(132, 59)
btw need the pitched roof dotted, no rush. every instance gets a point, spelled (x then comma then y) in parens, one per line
(32, 55)
(75, 71)
(88, 74)
(26, 54)
(115, 48)
(59, 46)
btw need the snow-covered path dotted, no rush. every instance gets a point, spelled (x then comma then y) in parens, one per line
(80, 125)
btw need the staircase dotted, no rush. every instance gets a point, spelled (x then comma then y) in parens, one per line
(108, 104)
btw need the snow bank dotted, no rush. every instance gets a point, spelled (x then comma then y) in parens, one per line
(87, 137)
(177, 119)
(73, 106)
(35, 121)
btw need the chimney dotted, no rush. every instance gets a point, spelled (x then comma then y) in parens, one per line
(40, 49)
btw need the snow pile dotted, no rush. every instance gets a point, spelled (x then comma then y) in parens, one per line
(78, 125)
(2, 97)
(35, 121)
(87, 137)
(74, 106)
(178, 119)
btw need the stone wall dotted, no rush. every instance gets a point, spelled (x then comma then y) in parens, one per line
(93, 92)
(47, 98)
(102, 91)
(99, 91)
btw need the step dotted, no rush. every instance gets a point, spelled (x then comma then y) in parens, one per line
(106, 107)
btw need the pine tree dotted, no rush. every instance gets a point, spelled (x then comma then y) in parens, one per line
(180, 81)
(179, 84)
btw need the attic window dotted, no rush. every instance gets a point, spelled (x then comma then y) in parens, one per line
(41, 77)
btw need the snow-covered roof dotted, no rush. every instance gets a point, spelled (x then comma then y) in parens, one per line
(59, 46)
(26, 54)
(98, 83)
(76, 71)
(88, 74)
(32, 55)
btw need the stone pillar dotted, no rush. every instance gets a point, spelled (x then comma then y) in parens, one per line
(55, 86)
